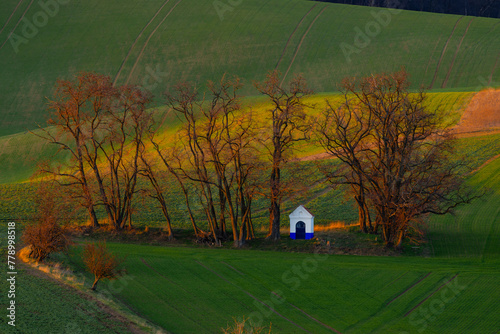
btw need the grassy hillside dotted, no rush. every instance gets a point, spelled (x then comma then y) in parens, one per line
(44, 306)
(474, 229)
(19, 153)
(157, 43)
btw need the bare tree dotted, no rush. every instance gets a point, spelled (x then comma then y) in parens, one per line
(100, 262)
(102, 127)
(215, 151)
(288, 125)
(119, 145)
(192, 156)
(397, 152)
(154, 174)
(71, 110)
(344, 132)
(170, 158)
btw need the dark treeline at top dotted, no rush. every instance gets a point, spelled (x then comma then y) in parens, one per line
(484, 8)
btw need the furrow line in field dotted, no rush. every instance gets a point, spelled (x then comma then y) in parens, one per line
(293, 33)
(429, 296)
(253, 297)
(445, 81)
(297, 308)
(147, 41)
(429, 61)
(156, 271)
(316, 320)
(10, 17)
(177, 285)
(408, 289)
(135, 42)
(443, 52)
(486, 163)
(230, 266)
(395, 280)
(300, 44)
(493, 70)
(19, 21)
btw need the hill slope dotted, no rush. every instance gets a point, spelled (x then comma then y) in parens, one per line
(157, 43)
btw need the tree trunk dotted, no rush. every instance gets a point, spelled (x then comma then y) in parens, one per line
(371, 228)
(93, 217)
(102, 192)
(361, 213)
(186, 200)
(167, 217)
(274, 217)
(399, 240)
(274, 230)
(95, 284)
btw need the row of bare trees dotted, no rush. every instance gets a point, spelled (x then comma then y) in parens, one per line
(394, 150)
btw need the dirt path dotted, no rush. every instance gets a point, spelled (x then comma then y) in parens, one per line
(10, 17)
(445, 81)
(293, 33)
(22, 16)
(443, 52)
(300, 44)
(147, 41)
(135, 42)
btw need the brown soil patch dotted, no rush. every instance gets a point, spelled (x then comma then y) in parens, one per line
(482, 113)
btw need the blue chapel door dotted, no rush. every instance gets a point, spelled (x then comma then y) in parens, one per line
(300, 230)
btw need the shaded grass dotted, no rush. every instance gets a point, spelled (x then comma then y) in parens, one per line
(183, 290)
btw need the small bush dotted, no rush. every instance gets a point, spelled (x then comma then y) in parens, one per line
(44, 238)
(244, 327)
(45, 235)
(100, 262)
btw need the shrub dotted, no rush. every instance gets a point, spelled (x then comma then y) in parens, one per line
(100, 262)
(243, 327)
(44, 238)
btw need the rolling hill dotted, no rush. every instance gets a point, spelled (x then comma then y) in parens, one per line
(159, 43)
(452, 288)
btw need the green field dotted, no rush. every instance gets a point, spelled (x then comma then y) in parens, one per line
(453, 291)
(199, 290)
(447, 284)
(159, 43)
(196, 290)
